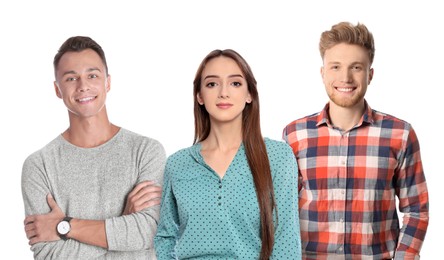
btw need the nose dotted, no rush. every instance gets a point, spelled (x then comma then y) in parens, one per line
(346, 76)
(223, 91)
(82, 85)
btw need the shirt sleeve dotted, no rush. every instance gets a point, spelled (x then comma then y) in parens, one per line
(168, 228)
(35, 187)
(287, 243)
(292, 142)
(136, 231)
(412, 192)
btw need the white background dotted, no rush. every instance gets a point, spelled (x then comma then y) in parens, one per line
(153, 50)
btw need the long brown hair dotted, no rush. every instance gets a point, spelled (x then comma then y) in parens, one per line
(253, 142)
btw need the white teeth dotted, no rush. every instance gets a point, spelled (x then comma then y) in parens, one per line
(86, 99)
(345, 89)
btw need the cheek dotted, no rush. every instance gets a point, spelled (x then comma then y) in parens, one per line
(326, 79)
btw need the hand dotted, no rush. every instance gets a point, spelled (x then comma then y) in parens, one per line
(146, 194)
(42, 228)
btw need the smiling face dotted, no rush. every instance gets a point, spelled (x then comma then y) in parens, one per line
(224, 90)
(346, 74)
(82, 82)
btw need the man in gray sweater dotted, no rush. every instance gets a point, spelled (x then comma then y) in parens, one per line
(94, 191)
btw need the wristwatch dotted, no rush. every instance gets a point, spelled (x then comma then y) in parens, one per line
(64, 227)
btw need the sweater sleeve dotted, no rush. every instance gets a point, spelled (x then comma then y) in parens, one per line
(136, 231)
(35, 186)
(287, 244)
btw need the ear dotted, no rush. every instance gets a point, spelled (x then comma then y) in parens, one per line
(199, 99)
(322, 71)
(248, 100)
(370, 76)
(57, 90)
(108, 83)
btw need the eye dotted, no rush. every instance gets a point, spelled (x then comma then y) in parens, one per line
(358, 68)
(71, 79)
(93, 76)
(211, 84)
(335, 67)
(236, 84)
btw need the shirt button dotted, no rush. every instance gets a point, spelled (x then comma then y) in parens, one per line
(219, 203)
(341, 220)
(220, 186)
(220, 197)
(340, 249)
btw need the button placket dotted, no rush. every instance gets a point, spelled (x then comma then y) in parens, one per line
(219, 197)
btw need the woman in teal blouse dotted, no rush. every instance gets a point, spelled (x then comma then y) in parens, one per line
(233, 194)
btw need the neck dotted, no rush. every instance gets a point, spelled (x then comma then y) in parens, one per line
(223, 137)
(346, 118)
(89, 132)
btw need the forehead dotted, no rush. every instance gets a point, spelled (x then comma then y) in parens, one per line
(346, 53)
(76, 61)
(221, 66)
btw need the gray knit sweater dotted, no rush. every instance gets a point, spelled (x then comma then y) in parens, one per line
(92, 183)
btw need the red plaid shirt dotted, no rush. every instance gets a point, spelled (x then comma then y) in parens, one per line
(348, 184)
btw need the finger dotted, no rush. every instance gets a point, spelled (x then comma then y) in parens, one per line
(150, 203)
(149, 189)
(152, 192)
(33, 240)
(152, 196)
(147, 196)
(148, 193)
(51, 202)
(30, 234)
(29, 219)
(140, 186)
(146, 204)
(29, 227)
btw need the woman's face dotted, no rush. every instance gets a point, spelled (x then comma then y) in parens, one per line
(224, 90)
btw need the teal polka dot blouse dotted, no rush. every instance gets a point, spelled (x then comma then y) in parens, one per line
(206, 217)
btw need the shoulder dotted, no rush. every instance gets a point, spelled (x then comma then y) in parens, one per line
(48, 150)
(385, 120)
(309, 121)
(138, 141)
(183, 163)
(278, 149)
(181, 155)
(275, 145)
(281, 157)
(36, 161)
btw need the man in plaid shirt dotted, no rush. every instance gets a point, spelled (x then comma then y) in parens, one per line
(354, 161)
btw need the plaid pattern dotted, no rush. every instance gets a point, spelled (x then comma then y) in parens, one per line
(348, 184)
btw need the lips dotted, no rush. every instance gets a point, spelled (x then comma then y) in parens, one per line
(224, 105)
(85, 99)
(345, 89)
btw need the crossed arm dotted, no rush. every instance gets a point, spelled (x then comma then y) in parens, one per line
(42, 228)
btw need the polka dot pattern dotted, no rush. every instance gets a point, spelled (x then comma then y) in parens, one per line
(205, 217)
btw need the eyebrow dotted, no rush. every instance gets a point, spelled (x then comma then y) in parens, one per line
(88, 70)
(353, 63)
(230, 76)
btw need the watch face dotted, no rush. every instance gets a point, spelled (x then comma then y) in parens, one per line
(63, 227)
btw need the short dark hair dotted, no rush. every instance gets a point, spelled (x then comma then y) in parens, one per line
(77, 44)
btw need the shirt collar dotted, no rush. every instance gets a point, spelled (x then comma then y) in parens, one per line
(195, 153)
(324, 119)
